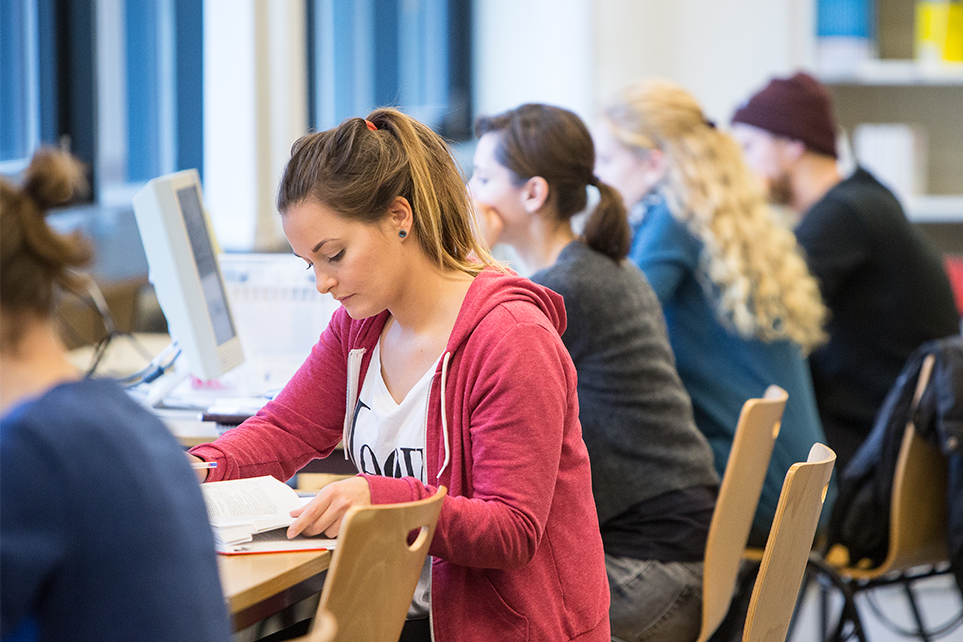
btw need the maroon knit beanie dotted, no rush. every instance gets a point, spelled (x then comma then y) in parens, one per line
(798, 108)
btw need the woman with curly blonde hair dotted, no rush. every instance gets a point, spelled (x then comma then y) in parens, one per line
(742, 309)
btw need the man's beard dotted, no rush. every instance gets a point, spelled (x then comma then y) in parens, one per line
(780, 190)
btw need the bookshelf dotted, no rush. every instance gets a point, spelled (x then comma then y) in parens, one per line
(898, 73)
(895, 88)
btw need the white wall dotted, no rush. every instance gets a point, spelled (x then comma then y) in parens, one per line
(533, 51)
(720, 51)
(579, 53)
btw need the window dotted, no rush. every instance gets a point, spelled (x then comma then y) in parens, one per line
(117, 82)
(150, 89)
(28, 102)
(410, 54)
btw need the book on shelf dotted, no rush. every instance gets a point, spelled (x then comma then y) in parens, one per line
(896, 153)
(252, 515)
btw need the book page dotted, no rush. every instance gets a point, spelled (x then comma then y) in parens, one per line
(249, 500)
(252, 515)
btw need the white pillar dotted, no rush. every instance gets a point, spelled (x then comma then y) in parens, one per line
(255, 107)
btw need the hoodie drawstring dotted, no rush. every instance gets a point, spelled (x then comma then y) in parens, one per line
(444, 415)
(354, 373)
(354, 367)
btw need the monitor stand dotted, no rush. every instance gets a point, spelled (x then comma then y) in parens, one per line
(161, 387)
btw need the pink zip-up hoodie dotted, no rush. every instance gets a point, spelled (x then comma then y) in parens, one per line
(517, 553)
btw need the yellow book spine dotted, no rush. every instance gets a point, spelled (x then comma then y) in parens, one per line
(953, 49)
(939, 30)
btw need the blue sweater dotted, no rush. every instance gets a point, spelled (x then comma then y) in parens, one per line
(720, 369)
(103, 532)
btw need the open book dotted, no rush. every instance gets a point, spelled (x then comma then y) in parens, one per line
(252, 516)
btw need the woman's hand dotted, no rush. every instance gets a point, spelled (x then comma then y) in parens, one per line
(202, 472)
(324, 513)
(489, 222)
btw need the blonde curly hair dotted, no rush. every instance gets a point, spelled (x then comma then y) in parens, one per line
(751, 265)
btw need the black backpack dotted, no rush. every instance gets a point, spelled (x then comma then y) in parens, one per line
(861, 513)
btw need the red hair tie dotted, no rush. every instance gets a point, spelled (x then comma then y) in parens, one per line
(370, 125)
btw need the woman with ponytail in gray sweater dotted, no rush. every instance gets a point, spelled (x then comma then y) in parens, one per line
(652, 470)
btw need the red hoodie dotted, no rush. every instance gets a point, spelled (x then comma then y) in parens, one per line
(517, 551)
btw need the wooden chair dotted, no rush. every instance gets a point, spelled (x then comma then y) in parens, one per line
(787, 549)
(374, 570)
(325, 627)
(917, 530)
(756, 432)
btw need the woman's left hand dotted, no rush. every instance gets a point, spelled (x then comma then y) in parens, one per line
(325, 512)
(490, 223)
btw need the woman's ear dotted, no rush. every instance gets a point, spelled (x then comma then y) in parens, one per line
(534, 194)
(400, 217)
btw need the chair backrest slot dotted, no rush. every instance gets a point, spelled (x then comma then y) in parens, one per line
(375, 569)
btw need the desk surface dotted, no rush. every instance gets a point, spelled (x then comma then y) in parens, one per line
(187, 427)
(258, 585)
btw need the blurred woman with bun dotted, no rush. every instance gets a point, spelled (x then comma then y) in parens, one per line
(103, 533)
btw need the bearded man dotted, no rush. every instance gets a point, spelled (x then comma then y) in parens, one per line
(885, 286)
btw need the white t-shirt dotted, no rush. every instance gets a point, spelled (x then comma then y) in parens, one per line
(388, 439)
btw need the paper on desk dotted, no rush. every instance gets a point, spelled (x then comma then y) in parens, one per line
(276, 541)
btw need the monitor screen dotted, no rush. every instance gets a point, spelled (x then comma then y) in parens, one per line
(184, 270)
(206, 262)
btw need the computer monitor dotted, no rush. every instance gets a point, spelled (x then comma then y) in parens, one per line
(184, 271)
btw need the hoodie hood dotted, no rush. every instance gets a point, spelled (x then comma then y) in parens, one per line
(491, 289)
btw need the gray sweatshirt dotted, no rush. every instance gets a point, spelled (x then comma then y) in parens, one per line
(635, 413)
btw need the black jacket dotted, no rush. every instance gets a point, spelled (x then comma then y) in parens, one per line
(888, 294)
(860, 519)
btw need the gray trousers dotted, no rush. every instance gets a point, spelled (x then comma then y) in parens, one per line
(653, 600)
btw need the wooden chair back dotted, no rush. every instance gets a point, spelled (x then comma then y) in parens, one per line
(787, 549)
(918, 510)
(324, 627)
(756, 433)
(374, 570)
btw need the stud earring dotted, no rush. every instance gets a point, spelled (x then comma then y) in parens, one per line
(402, 234)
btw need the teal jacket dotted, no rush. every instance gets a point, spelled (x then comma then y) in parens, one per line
(720, 369)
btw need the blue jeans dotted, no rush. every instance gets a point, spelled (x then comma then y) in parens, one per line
(654, 600)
